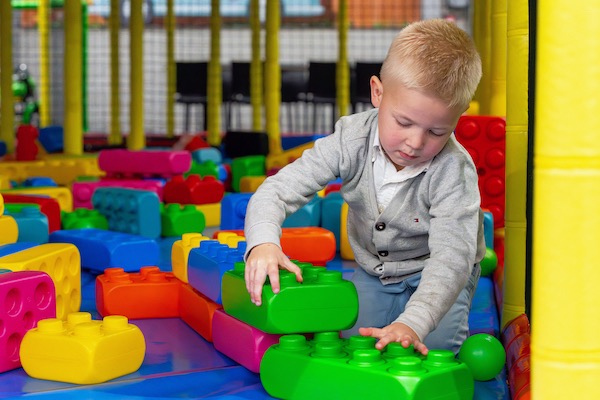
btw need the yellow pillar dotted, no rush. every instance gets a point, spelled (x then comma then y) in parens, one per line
(565, 349)
(343, 67)
(215, 80)
(7, 110)
(273, 71)
(171, 73)
(256, 68)
(482, 35)
(136, 139)
(516, 159)
(44, 34)
(114, 22)
(498, 66)
(73, 103)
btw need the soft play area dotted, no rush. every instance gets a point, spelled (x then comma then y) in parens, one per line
(137, 132)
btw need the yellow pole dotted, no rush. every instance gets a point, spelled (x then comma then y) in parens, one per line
(498, 67)
(171, 74)
(482, 35)
(114, 22)
(565, 349)
(273, 83)
(136, 139)
(215, 80)
(7, 110)
(256, 69)
(73, 113)
(343, 67)
(516, 159)
(44, 33)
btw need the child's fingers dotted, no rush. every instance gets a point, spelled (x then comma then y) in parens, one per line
(290, 266)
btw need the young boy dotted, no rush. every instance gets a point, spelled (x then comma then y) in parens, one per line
(414, 219)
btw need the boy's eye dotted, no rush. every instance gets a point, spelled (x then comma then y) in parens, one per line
(403, 124)
(439, 134)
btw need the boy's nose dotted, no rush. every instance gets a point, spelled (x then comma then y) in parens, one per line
(417, 139)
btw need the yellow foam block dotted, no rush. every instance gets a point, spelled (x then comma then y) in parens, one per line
(283, 159)
(82, 350)
(231, 239)
(9, 231)
(1, 205)
(4, 182)
(64, 170)
(249, 184)
(62, 194)
(59, 260)
(18, 170)
(180, 253)
(345, 250)
(212, 213)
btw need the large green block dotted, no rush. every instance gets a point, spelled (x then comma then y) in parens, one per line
(328, 367)
(324, 301)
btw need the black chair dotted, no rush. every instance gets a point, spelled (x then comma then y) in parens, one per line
(293, 93)
(361, 87)
(190, 88)
(322, 89)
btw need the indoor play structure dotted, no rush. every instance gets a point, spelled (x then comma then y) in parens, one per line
(179, 233)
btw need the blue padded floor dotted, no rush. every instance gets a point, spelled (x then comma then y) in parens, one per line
(179, 363)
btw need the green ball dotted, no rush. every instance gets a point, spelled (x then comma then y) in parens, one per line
(484, 355)
(489, 262)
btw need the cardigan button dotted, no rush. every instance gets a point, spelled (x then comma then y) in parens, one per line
(380, 226)
(384, 253)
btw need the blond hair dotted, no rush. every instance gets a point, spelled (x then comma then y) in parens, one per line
(436, 57)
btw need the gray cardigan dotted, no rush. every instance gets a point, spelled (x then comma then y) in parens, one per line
(433, 224)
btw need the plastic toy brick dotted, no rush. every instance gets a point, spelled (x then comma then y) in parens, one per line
(150, 293)
(61, 194)
(322, 302)
(32, 224)
(123, 163)
(246, 166)
(484, 138)
(9, 230)
(207, 168)
(331, 211)
(231, 239)
(83, 351)
(308, 215)
(64, 170)
(48, 206)
(249, 184)
(330, 367)
(212, 213)
(281, 160)
(83, 191)
(28, 296)
(129, 210)
(207, 154)
(195, 143)
(82, 218)
(233, 210)
(483, 317)
(488, 229)
(207, 264)
(2, 148)
(51, 137)
(102, 249)
(59, 260)
(180, 254)
(241, 342)
(345, 249)
(314, 245)
(1, 205)
(26, 148)
(6, 249)
(197, 311)
(36, 181)
(193, 190)
(17, 170)
(333, 187)
(177, 219)
(4, 182)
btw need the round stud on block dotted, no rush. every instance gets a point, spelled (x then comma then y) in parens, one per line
(489, 262)
(484, 355)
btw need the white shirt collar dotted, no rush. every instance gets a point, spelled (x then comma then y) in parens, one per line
(407, 172)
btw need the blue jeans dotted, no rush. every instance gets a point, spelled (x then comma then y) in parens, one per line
(380, 305)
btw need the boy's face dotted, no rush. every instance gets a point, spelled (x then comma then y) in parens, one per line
(413, 127)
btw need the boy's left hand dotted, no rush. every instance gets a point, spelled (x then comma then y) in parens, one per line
(395, 332)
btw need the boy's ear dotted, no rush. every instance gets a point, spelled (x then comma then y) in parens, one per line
(376, 91)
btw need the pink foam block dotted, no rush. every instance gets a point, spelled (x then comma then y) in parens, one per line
(83, 191)
(239, 341)
(164, 163)
(26, 297)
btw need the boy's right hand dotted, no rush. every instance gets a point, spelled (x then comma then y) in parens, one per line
(265, 259)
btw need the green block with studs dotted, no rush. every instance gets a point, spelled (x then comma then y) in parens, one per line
(329, 367)
(324, 301)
